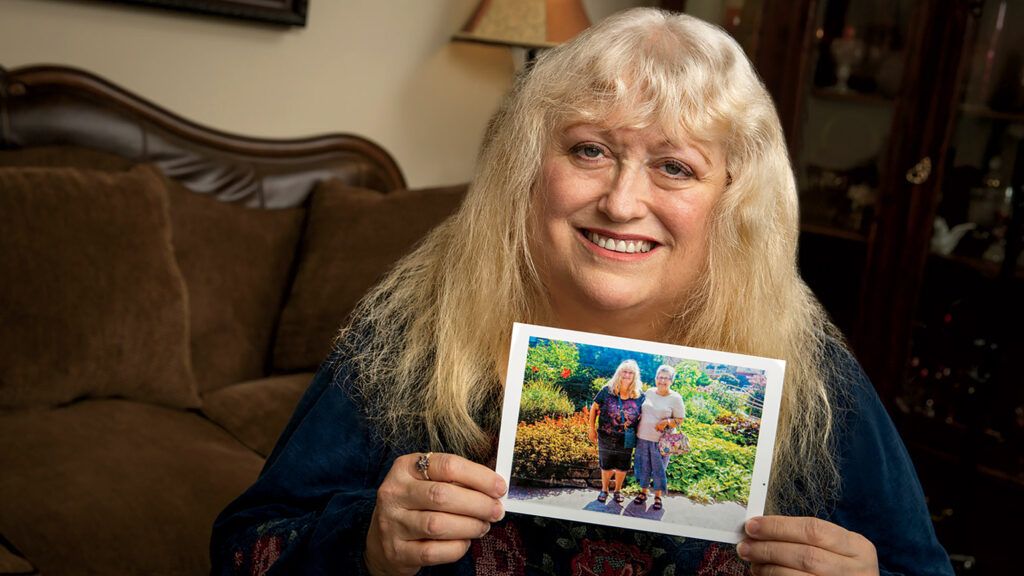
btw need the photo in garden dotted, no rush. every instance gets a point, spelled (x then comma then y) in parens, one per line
(561, 384)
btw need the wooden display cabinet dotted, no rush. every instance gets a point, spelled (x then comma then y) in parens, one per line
(905, 120)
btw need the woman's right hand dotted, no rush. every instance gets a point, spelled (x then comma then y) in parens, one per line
(418, 522)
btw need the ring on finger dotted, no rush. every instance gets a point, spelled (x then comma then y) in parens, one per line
(423, 464)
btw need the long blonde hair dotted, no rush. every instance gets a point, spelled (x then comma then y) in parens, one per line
(435, 330)
(615, 382)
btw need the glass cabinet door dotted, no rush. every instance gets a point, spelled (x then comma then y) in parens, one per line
(857, 64)
(961, 405)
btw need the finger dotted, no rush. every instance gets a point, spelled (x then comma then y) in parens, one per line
(418, 525)
(803, 530)
(453, 499)
(801, 558)
(430, 552)
(452, 468)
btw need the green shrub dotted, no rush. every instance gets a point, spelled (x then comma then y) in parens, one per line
(540, 399)
(727, 399)
(551, 360)
(553, 441)
(578, 387)
(701, 409)
(715, 470)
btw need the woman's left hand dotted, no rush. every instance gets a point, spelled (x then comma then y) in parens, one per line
(795, 546)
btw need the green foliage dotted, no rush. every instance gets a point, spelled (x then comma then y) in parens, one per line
(553, 441)
(701, 408)
(596, 385)
(727, 399)
(715, 470)
(551, 360)
(540, 399)
(578, 386)
(689, 375)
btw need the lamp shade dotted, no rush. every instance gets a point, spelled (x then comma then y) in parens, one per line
(526, 23)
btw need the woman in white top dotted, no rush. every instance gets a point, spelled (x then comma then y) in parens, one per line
(662, 409)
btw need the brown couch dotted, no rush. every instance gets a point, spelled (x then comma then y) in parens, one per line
(165, 292)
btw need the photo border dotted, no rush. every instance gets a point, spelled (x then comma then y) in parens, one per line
(774, 370)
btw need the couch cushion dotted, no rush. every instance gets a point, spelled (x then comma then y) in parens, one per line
(256, 412)
(116, 487)
(353, 236)
(236, 263)
(92, 303)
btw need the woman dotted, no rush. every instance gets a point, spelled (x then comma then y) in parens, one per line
(649, 130)
(662, 409)
(619, 403)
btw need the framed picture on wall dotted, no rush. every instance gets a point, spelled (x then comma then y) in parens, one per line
(289, 12)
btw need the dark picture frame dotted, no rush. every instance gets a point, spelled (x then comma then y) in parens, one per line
(286, 12)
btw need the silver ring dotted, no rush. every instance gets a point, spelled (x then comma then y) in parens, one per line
(423, 464)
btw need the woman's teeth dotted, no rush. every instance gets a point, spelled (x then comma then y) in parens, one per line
(626, 246)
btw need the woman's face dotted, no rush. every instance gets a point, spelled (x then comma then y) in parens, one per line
(662, 381)
(621, 220)
(626, 376)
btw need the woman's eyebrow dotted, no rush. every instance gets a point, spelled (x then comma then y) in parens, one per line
(667, 144)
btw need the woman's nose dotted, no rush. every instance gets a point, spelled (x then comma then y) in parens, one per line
(626, 198)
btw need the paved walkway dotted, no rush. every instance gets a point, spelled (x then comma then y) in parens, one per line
(675, 509)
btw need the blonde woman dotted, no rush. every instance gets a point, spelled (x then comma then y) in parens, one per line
(634, 183)
(617, 407)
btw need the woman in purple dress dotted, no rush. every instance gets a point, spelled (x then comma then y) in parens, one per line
(614, 417)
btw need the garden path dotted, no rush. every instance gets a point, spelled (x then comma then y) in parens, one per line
(676, 509)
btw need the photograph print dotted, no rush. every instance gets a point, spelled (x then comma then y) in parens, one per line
(636, 434)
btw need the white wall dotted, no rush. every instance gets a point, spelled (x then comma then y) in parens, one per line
(384, 69)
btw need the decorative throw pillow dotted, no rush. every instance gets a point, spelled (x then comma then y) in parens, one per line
(92, 303)
(236, 263)
(353, 237)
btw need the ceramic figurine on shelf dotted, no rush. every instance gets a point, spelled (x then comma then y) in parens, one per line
(945, 239)
(848, 52)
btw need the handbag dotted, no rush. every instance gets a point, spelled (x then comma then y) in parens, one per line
(673, 441)
(630, 440)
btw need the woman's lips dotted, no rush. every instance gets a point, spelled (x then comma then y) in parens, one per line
(618, 245)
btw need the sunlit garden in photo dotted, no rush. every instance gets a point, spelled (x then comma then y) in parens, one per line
(723, 414)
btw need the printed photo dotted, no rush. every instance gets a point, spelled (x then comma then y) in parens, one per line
(637, 434)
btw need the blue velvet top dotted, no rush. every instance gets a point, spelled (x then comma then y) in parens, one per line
(309, 511)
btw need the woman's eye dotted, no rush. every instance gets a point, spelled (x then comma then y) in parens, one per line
(677, 169)
(587, 151)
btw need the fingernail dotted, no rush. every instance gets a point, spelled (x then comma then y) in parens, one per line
(500, 487)
(743, 549)
(486, 530)
(499, 512)
(753, 526)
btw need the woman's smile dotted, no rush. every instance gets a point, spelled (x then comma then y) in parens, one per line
(618, 246)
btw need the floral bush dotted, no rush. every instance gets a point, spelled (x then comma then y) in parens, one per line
(551, 360)
(743, 427)
(553, 442)
(543, 399)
